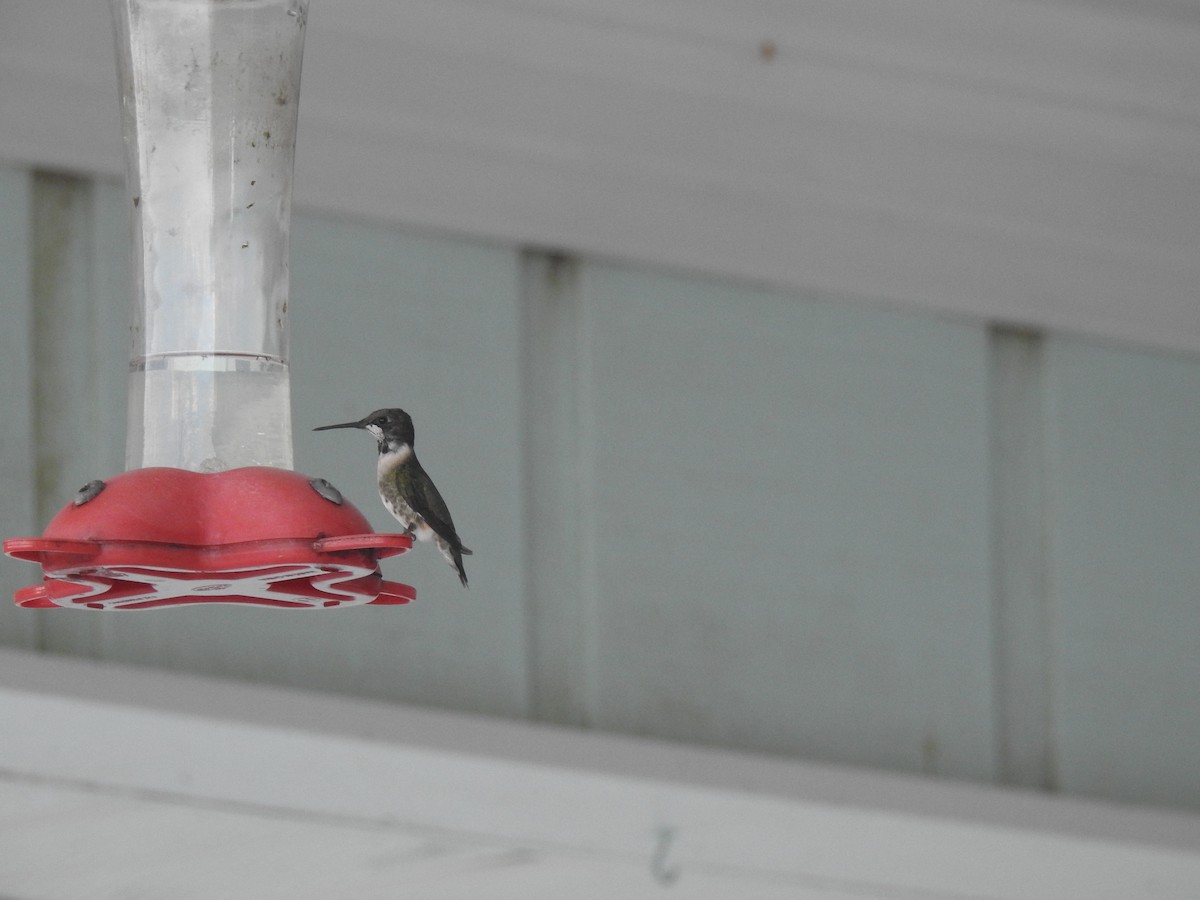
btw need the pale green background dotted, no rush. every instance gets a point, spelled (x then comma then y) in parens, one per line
(804, 525)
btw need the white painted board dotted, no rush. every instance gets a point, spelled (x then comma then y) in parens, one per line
(454, 804)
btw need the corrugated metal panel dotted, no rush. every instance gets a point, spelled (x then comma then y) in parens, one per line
(702, 511)
(790, 524)
(1124, 456)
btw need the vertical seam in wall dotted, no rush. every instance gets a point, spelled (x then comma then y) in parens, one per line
(20, 437)
(1020, 559)
(560, 607)
(1048, 411)
(46, 260)
(586, 461)
(64, 349)
(526, 379)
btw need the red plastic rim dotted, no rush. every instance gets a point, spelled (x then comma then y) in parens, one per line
(155, 538)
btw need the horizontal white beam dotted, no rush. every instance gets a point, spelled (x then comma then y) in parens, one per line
(1026, 162)
(597, 795)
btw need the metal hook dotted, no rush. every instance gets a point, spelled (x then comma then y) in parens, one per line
(664, 874)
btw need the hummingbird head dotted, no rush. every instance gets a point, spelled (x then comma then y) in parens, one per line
(391, 428)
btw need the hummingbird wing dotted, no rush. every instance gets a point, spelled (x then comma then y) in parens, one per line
(428, 503)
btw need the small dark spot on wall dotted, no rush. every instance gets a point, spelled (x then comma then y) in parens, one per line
(767, 50)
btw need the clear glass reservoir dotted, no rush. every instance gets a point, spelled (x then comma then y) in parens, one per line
(209, 92)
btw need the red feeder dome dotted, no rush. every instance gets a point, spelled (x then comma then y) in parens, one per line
(159, 537)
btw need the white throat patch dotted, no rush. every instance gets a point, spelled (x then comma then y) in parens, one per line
(392, 458)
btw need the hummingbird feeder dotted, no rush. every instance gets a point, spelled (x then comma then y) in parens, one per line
(209, 510)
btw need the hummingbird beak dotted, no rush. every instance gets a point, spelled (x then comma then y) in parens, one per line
(358, 424)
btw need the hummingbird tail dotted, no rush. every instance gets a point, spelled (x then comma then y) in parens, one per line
(453, 554)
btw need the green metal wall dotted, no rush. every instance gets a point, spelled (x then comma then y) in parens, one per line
(700, 511)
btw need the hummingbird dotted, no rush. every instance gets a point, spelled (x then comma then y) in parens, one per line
(407, 492)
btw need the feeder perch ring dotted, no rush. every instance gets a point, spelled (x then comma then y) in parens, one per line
(155, 538)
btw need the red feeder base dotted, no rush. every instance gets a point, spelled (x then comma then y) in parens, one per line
(153, 538)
